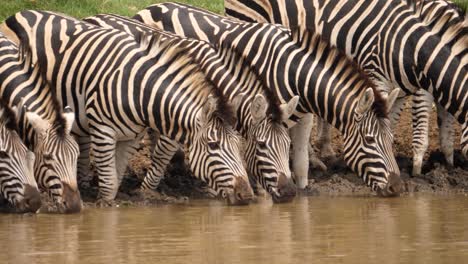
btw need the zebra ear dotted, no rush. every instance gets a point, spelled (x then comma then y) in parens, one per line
(365, 102)
(69, 117)
(30, 158)
(40, 125)
(237, 101)
(392, 97)
(258, 108)
(287, 109)
(208, 109)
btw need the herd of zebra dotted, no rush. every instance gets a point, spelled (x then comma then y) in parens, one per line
(234, 92)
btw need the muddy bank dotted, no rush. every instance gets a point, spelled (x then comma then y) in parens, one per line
(435, 178)
(179, 186)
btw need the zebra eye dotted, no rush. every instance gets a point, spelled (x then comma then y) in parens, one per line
(369, 139)
(48, 156)
(261, 144)
(213, 145)
(4, 155)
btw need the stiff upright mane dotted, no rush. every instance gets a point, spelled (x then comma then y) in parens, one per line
(274, 110)
(178, 49)
(310, 37)
(58, 121)
(8, 116)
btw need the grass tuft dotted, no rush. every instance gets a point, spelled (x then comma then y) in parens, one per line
(85, 8)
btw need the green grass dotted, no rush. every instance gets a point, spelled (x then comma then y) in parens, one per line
(462, 3)
(84, 8)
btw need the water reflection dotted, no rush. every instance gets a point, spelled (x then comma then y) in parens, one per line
(421, 229)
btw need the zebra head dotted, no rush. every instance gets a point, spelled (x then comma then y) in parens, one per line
(215, 154)
(56, 158)
(368, 144)
(17, 182)
(267, 148)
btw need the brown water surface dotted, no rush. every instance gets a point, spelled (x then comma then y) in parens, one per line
(418, 229)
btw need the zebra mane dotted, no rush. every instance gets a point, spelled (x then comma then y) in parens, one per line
(274, 109)
(455, 17)
(8, 116)
(178, 49)
(25, 56)
(305, 37)
(417, 6)
(224, 109)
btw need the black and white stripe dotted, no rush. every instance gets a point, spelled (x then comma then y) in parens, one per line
(392, 43)
(302, 64)
(120, 86)
(44, 128)
(17, 183)
(260, 118)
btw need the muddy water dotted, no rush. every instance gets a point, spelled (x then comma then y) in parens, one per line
(417, 229)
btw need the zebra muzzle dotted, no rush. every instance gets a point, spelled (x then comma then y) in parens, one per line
(31, 201)
(394, 186)
(242, 194)
(71, 200)
(286, 190)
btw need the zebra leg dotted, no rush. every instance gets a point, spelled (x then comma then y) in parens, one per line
(445, 122)
(464, 140)
(314, 159)
(123, 151)
(103, 144)
(324, 140)
(164, 150)
(85, 176)
(422, 104)
(300, 134)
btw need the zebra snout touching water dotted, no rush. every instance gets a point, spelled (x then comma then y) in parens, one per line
(17, 183)
(56, 155)
(260, 117)
(367, 145)
(120, 85)
(43, 126)
(301, 63)
(215, 153)
(268, 143)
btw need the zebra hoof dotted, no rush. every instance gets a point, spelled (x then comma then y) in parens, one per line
(101, 202)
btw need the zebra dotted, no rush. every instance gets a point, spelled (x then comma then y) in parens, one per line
(45, 129)
(17, 184)
(119, 86)
(302, 64)
(448, 20)
(391, 43)
(260, 122)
